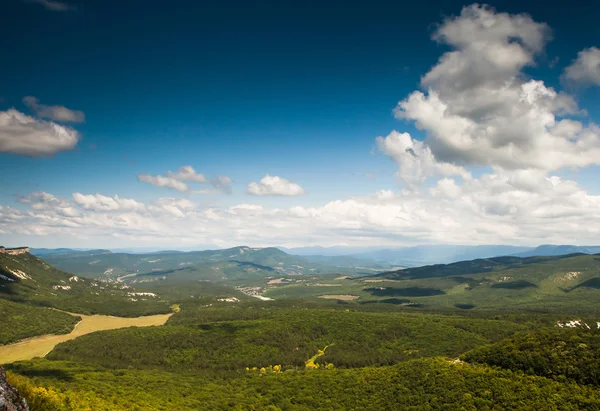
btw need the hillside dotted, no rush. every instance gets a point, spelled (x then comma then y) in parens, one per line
(481, 265)
(563, 284)
(554, 250)
(571, 352)
(258, 356)
(27, 279)
(21, 321)
(215, 265)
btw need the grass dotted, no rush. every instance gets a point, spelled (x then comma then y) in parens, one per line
(40, 346)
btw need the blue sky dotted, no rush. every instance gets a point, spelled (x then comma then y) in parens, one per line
(244, 90)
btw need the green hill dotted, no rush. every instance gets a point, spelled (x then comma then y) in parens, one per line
(572, 352)
(215, 265)
(566, 284)
(27, 279)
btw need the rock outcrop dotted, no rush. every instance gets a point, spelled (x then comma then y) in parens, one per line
(10, 399)
(14, 251)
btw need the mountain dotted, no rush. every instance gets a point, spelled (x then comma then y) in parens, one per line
(328, 251)
(27, 279)
(549, 249)
(568, 284)
(438, 254)
(477, 266)
(216, 265)
(42, 252)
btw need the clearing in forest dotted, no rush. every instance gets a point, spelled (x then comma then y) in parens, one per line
(42, 345)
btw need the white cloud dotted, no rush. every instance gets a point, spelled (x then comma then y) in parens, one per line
(42, 201)
(160, 181)
(498, 207)
(415, 160)
(585, 69)
(187, 173)
(175, 181)
(99, 202)
(56, 113)
(25, 135)
(173, 206)
(477, 108)
(480, 110)
(274, 186)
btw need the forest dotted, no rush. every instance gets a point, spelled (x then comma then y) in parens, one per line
(222, 349)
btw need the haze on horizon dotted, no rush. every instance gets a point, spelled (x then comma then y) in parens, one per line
(272, 125)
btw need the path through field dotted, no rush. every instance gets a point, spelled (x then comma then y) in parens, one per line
(42, 345)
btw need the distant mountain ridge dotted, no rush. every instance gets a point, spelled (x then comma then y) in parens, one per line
(477, 266)
(553, 250)
(339, 256)
(214, 265)
(40, 252)
(441, 253)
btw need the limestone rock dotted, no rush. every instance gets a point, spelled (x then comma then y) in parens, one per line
(10, 399)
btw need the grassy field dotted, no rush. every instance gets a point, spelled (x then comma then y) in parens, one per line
(40, 346)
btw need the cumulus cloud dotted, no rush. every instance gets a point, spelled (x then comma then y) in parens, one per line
(25, 135)
(497, 207)
(187, 173)
(160, 181)
(476, 108)
(480, 110)
(176, 207)
(42, 201)
(56, 113)
(585, 69)
(274, 186)
(98, 202)
(175, 181)
(415, 160)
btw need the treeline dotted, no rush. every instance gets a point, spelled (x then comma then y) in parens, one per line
(555, 353)
(19, 321)
(432, 384)
(284, 336)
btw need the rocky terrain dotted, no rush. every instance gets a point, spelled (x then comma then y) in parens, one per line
(10, 399)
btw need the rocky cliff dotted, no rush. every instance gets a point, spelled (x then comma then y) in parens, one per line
(10, 399)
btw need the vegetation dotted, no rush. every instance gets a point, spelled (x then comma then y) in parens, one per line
(554, 353)
(433, 383)
(21, 321)
(29, 280)
(215, 265)
(565, 285)
(41, 345)
(468, 341)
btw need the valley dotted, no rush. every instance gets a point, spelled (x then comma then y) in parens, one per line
(454, 320)
(42, 345)
(296, 206)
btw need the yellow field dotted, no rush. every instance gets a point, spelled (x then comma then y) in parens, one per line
(40, 346)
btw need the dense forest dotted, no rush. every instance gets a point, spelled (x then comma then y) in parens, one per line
(223, 349)
(21, 321)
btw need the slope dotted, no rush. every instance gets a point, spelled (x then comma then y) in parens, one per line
(215, 265)
(29, 280)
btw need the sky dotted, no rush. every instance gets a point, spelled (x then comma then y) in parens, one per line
(191, 125)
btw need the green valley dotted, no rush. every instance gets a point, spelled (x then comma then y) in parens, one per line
(457, 336)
